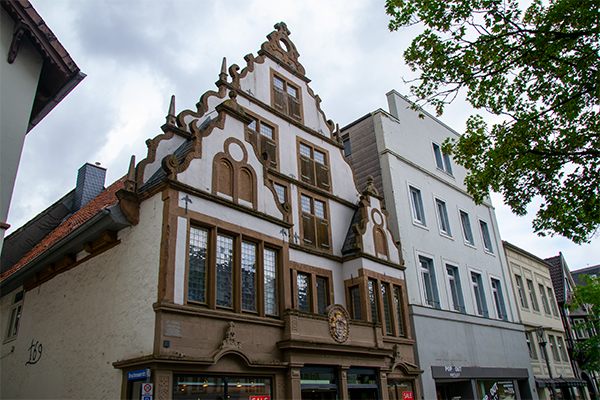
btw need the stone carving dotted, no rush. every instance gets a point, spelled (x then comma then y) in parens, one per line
(338, 322)
(281, 46)
(229, 340)
(163, 388)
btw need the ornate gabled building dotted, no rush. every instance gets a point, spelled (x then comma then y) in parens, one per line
(237, 260)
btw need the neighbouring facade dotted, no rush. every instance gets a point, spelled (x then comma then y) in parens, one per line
(538, 309)
(564, 284)
(237, 260)
(36, 74)
(469, 339)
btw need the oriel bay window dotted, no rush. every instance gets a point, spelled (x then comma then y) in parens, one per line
(377, 298)
(314, 222)
(311, 288)
(313, 166)
(228, 271)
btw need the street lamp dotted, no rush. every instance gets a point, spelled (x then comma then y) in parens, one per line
(542, 342)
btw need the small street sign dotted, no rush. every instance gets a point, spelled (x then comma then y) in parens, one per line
(146, 397)
(147, 389)
(139, 374)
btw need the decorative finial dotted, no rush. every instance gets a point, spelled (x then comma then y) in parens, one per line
(370, 189)
(223, 74)
(171, 119)
(282, 27)
(130, 184)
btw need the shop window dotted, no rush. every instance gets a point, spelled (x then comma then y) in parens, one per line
(315, 222)
(312, 291)
(456, 296)
(15, 316)
(220, 387)
(502, 389)
(443, 221)
(479, 294)
(400, 390)
(263, 135)
(442, 160)
(416, 203)
(318, 382)
(521, 291)
(314, 166)
(485, 234)
(499, 299)
(362, 383)
(430, 291)
(384, 301)
(466, 228)
(229, 272)
(286, 97)
(534, 303)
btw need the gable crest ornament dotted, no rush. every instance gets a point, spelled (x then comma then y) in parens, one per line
(338, 322)
(280, 46)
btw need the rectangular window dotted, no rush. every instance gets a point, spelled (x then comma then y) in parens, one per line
(442, 160)
(385, 293)
(429, 282)
(15, 315)
(224, 271)
(313, 166)
(554, 348)
(417, 205)
(286, 98)
(499, 299)
(280, 191)
(455, 289)
(270, 275)
(479, 294)
(315, 222)
(485, 233)
(303, 292)
(322, 295)
(398, 304)
(248, 277)
(532, 298)
(580, 329)
(530, 346)
(264, 137)
(552, 302)
(355, 298)
(228, 260)
(347, 149)
(544, 298)
(466, 227)
(373, 301)
(521, 291)
(197, 265)
(561, 348)
(443, 221)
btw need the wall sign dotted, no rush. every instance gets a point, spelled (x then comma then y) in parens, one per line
(35, 352)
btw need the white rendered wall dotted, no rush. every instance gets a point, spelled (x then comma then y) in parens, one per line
(86, 319)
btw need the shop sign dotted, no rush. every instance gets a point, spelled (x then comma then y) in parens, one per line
(407, 396)
(139, 374)
(260, 397)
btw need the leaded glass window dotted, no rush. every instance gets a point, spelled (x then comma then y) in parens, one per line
(248, 277)
(224, 271)
(197, 265)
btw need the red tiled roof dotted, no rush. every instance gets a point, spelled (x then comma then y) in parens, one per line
(104, 200)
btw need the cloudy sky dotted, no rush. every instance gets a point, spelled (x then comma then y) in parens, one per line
(138, 53)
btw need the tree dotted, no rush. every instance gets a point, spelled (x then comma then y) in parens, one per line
(538, 71)
(588, 297)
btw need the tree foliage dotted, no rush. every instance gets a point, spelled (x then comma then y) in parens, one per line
(537, 70)
(588, 297)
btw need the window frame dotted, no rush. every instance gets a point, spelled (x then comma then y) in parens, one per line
(545, 304)
(554, 348)
(498, 297)
(260, 142)
(435, 301)
(261, 296)
(442, 216)
(532, 297)
(561, 348)
(521, 291)
(460, 307)
(486, 231)
(320, 227)
(396, 300)
(14, 316)
(416, 208)
(285, 108)
(319, 174)
(312, 273)
(552, 301)
(530, 346)
(468, 242)
(442, 160)
(478, 292)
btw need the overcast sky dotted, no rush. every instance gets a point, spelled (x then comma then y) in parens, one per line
(138, 53)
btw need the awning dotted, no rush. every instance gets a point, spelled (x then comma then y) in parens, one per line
(560, 382)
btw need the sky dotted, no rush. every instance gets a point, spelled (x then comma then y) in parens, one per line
(136, 54)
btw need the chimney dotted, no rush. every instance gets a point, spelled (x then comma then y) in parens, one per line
(90, 183)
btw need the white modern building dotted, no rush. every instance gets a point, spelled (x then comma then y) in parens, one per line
(469, 339)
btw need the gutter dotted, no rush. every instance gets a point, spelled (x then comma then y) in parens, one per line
(110, 218)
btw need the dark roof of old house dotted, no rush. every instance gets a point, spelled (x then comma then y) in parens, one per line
(557, 272)
(578, 275)
(104, 200)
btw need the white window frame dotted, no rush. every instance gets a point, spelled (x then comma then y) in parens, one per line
(487, 225)
(486, 312)
(420, 223)
(462, 227)
(458, 284)
(522, 296)
(441, 210)
(442, 160)
(433, 279)
(501, 298)
(15, 315)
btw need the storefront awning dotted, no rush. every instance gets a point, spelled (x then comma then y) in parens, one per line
(560, 382)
